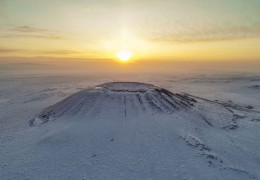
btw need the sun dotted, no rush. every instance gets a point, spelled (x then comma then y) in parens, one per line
(124, 55)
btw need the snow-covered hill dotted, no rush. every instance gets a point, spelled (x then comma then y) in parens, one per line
(125, 130)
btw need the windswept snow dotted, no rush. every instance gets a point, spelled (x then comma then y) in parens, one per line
(126, 130)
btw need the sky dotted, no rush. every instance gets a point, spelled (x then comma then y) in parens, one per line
(171, 30)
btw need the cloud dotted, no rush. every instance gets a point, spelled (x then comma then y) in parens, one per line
(61, 52)
(202, 34)
(31, 32)
(38, 52)
(28, 29)
(44, 36)
(7, 50)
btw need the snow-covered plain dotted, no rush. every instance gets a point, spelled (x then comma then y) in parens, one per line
(207, 128)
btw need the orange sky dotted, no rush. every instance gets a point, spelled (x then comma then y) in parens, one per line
(180, 30)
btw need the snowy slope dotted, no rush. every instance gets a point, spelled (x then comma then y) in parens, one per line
(136, 131)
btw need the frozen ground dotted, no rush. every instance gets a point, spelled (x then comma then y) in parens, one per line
(215, 138)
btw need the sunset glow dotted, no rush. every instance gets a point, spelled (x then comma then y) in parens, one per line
(124, 55)
(129, 89)
(182, 31)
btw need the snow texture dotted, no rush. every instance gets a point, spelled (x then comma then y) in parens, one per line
(126, 130)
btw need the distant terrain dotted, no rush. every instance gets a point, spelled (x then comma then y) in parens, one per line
(198, 125)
